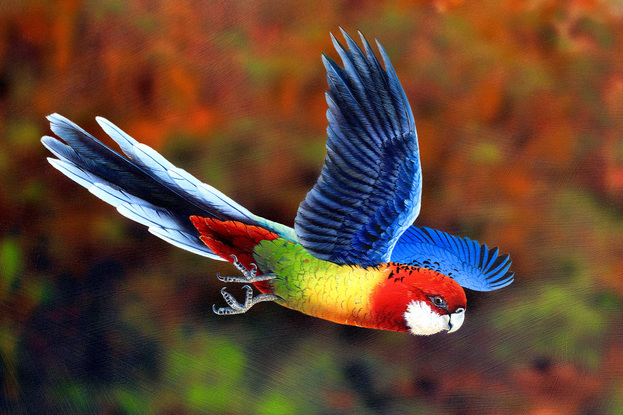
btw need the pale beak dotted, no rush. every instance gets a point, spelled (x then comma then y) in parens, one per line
(456, 320)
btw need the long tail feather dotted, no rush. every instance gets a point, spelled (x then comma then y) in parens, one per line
(144, 187)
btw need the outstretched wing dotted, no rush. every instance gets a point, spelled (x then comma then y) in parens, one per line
(472, 265)
(369, 189)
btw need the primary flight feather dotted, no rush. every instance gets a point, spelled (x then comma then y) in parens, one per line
(353, 256)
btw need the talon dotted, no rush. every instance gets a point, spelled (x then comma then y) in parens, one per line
(231, 301)
(221, 311)
(237, 263)
(248, 275)
(249, 296)
(237, 308)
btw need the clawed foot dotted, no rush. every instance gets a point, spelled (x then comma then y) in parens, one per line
(249, 276)
(237, 308)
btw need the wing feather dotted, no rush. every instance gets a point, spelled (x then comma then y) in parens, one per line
(472, 265)
(369, 189)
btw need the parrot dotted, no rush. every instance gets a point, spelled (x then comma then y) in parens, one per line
(353, 256)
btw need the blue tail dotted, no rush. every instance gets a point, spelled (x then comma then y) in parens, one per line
(144, 187)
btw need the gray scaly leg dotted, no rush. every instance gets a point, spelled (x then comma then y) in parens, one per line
(249, 276)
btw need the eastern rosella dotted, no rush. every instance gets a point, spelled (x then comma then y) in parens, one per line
(353, 256)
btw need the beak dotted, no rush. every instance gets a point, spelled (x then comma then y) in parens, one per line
(456, 320)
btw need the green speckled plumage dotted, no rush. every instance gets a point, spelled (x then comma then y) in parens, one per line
(339, 293)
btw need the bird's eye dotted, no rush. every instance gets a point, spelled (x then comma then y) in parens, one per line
(439, 302)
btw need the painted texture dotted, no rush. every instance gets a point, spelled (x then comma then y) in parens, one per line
(530, 97)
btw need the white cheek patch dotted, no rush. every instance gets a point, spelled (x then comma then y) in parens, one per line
(422, 320)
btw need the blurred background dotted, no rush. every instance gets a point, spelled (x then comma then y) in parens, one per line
(519, 109)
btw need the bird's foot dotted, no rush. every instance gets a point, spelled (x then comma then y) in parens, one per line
(248, 276)
(238, 308)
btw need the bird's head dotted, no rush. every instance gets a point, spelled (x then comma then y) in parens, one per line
(426, 301)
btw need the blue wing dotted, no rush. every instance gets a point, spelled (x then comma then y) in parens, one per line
(472, 265)
(370, 186)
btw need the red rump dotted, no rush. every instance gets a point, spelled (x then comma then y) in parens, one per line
(227, 238)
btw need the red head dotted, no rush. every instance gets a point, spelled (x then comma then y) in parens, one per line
(418, 300)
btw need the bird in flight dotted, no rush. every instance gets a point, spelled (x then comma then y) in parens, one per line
(353, 256)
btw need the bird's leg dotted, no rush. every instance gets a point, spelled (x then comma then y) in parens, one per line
(237, 308)
(249, 276)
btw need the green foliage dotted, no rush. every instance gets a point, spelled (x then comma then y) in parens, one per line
(23, 134)
(560, 320)
(487, 153)
(208, 369)
(11, 264)
(74, 396)
(130, 401)
(275, 403)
